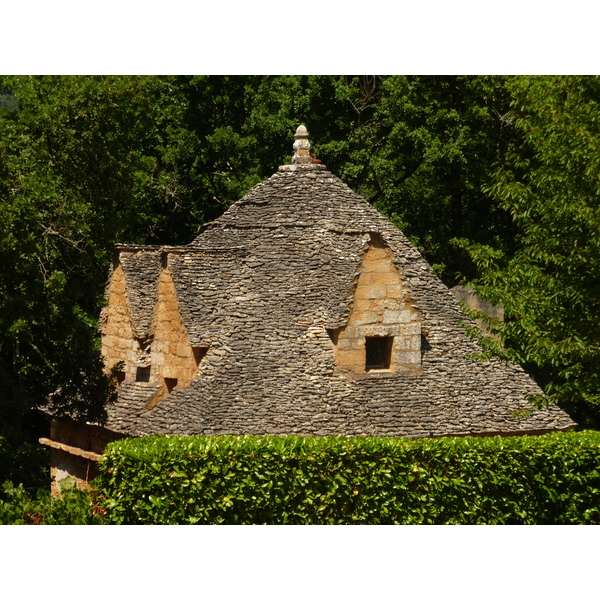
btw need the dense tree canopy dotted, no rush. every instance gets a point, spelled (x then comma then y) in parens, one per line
(495, 179)
(549, 284)
(72, 171)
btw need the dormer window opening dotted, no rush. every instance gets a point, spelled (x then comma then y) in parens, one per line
(378, 353)
(199, 353)
(334, 335)
(170, 384)
(142, 374)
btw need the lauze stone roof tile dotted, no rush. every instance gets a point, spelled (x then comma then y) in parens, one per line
(261, 326)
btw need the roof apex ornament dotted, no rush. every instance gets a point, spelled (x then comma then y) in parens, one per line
(301, 147)
(303, 158)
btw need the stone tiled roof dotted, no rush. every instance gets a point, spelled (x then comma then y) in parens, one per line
(261, 287)
(141, 269)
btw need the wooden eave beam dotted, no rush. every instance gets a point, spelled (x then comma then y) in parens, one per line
(70, 449)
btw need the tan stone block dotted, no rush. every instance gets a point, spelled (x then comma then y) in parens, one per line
(397, 316)
(184, 350)
(380, 330)
(410, 329)
(384, 278)
(374, 254)
(388, 304)
(395, 291)
(350, 332)
(401, 344)
(351, 358)
(413, 343)
(168, 371)
(345, 344)
(376, 266)
(365, 318)
(123, 343)
(173, 337)
(364, 292)
(362, 304)
(408, 343)
(408, 358)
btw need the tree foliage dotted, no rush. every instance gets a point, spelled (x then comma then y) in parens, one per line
(549, 284)
(72, 173)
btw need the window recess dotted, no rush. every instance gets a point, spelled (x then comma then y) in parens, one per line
(378, 353)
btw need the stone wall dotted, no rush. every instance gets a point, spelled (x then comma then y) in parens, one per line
(118, 344)
(164, 355)
(382, 316)
(476, 302)
(174, 362)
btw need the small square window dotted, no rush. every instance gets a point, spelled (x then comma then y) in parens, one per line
(142, 374)
(378, 353)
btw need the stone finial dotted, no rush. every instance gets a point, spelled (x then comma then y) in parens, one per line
(303, 159)
(301, 147)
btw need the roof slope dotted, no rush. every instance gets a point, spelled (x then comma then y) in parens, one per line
(265, 286)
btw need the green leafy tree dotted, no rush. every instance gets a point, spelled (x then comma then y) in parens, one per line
(431, 144)
(549, 283)
(76, 172)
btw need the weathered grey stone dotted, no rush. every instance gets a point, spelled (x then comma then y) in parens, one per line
(263, 288)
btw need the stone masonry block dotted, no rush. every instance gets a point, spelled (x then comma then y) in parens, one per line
(364, 292)
(410, 329)
(411, 358)
(350, 358)
(380, 330)
(345, 344)
(387, 304)
(395, 291)
(382, 278)
(375, 254)
(408, 343)
(379, 266)
(362, 305)
(184, 350)
(350, 332)
(396, 316)
(364, 318)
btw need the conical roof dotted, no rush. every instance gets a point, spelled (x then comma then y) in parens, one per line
(315, 316)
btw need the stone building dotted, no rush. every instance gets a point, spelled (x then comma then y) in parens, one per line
(301, 310)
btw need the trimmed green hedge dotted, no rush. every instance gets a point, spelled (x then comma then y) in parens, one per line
(548, 479)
